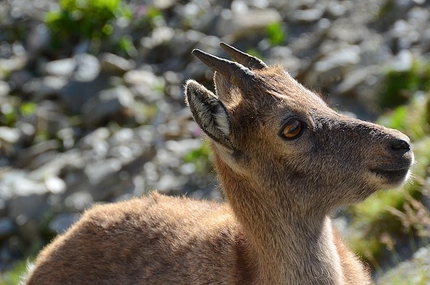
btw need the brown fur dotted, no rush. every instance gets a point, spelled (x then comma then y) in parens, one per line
(120, 244)
(275, 228)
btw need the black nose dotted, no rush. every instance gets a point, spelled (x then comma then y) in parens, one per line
(400, 145)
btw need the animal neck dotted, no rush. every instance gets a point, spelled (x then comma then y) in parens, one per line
(289, 249)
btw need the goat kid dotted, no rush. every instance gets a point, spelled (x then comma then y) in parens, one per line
(284, 159)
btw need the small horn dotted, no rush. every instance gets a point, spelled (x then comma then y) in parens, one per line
(232, 71)
(245, 59)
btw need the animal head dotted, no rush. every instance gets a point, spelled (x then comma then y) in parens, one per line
(272, 132)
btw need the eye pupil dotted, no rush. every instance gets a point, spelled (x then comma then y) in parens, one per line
(292, 129)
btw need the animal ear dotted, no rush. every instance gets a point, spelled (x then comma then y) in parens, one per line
(224, 89)
(209, 112)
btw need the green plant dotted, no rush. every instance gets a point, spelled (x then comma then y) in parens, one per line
(27, 109)
(387, 7)
(84, 19)
(144, 112)
(275, 33)
(13, 276)
(11, 111)
(412, 119)
(8, 115)
(201, 158)
(149, 18)
(400, 85)
(126, 45)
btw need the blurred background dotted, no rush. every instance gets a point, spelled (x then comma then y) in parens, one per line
(92, 107)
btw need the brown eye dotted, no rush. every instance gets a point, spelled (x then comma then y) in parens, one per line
(292, 129)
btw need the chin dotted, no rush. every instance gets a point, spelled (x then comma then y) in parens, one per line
(387, 179)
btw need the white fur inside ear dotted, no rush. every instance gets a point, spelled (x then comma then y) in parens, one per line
(203, 112)
(209, 113)
(222, 121)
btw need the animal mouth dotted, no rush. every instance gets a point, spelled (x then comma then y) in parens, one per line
(393, 176)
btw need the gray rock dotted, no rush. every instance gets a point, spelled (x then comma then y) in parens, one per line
(82, 47)
(182, 147)
(174, 78)
(122, 136)
(3, 204)
(62, 222)
(354, 79)
(14, 63)
(62, 67)
(145, 84)
(282, 55)
(126, 152)
(339, 58)
(107, 104)
(87, 67)
(17, 79)
(184, 41)
(42, 88)
(425, 40)
(239, 7)
(402, 61)
(27, 207)
(413, 271)
(5, 50)
(7, 228)
(240, 25)
(28, 227)
(28, 132)
(70, 159)
(111, 63)
(6, 257)
(68, 137)
(38, 39)
(160, 35)
(51, 118)
(77, 182)
(37, 154)
(374, 50)
(55, 185)
(9, 135)
(101, 134)
(99, 171)
(201, 15)
(111, 182)
(332, 65)
(15, 182)
(169, 183)
(76, 93)
(309, 15)
(163, 4)
(338, 9)
(137, 77)
(79, 201)
(4, 88)
(112, 186)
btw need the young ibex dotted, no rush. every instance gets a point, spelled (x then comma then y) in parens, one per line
(285, 160)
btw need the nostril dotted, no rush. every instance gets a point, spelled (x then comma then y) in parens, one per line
(399, 144)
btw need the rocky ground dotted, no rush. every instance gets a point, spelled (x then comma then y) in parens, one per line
(79, 127)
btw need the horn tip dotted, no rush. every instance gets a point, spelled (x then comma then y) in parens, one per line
(199, 53)
(226, 46)
(196, 51)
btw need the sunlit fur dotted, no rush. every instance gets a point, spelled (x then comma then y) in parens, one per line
(275, 227)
